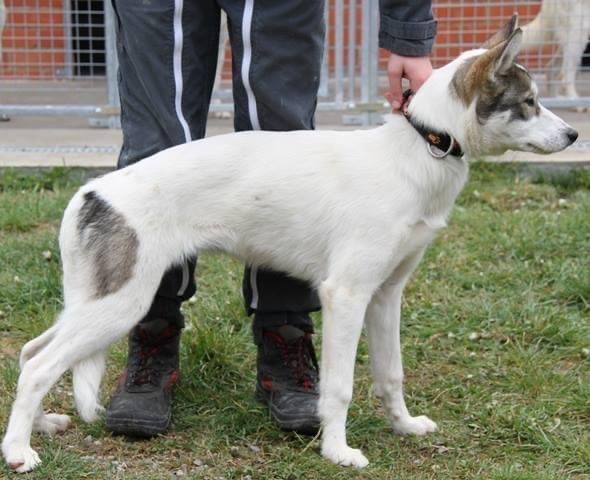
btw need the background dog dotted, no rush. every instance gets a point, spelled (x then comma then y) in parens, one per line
(566, 24)
(350, 212)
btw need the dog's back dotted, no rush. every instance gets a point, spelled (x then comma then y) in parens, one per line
(234, 186)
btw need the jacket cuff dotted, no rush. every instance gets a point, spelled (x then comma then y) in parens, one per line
(410, 39)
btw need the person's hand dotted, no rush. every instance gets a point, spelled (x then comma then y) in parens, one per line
(415, 69)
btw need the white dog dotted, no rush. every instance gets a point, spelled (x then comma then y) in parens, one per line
(350, 212)
(566, 24)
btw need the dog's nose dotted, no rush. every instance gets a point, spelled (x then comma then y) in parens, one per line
(572, 135)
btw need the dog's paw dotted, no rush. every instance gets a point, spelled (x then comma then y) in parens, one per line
(346, 456)
(93, 414)
(21, 459)
(52, 423)
(414, 426)
(57, 423)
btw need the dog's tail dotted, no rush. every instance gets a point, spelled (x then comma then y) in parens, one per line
(87, 375)
(536, 33)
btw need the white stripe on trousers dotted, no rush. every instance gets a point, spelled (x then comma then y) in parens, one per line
(252, 109)
(178, 83)
(246, 62)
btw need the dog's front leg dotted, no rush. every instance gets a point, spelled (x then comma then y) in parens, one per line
(383, 326)
(342, 320)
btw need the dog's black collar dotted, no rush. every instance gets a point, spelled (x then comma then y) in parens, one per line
(440, 144)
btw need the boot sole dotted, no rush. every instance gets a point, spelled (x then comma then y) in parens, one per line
(132, 427)
(294, 423)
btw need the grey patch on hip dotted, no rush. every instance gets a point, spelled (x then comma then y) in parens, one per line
(110, 243)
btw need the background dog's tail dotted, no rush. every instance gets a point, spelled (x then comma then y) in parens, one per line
(87, 375)
(536, 33)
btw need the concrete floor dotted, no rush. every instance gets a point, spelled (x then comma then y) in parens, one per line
(47, 141)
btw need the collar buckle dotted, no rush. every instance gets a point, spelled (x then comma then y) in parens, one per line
(437, 152)
(433, 138)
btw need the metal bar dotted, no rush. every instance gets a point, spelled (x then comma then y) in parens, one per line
(351, 48)
(562, 102)
(110, 110)
(369, 55)
(373, 49)
(112, 63)
(65, 110)
(365, 51)
(68, 71)
(325, 73)
(339, 51)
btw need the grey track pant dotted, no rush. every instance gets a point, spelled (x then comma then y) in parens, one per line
(167, 53)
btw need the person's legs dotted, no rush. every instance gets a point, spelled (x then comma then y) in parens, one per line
(167, 53)
(277, 51)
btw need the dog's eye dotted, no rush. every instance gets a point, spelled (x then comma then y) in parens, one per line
(530, 101)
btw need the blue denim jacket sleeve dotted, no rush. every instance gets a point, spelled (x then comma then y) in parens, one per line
(407, 27)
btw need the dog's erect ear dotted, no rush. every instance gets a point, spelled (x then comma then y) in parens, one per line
(497, 60)
(508, 52)
(487, 66)
(503, 34)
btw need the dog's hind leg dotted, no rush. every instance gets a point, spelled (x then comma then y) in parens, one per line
(84, 330)
(383, 327)
(39, 372)
(573, 44)
(50, 423)
(88, 386)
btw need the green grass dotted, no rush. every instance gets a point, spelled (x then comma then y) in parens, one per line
(496, 332)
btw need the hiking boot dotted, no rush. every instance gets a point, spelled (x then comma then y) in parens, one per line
(142, 403)
(287, 378)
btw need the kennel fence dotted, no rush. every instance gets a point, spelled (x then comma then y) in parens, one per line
(57, 57)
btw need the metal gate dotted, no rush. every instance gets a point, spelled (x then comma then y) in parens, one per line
(58, 56)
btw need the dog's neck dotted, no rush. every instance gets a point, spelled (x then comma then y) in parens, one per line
(439, 113)
(437, 107)
(440, 143)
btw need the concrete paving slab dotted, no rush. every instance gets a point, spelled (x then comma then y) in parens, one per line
(67, 147)
(28, 143)
(52, 147)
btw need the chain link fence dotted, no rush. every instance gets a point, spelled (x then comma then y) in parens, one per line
(57, 57)
(555, 40)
